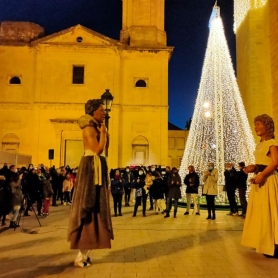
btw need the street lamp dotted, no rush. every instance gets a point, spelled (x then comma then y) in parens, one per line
(107, 100)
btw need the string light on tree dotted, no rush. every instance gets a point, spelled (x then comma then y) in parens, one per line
(220, 131)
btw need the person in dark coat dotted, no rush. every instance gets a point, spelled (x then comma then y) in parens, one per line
(140, 193)
(117, 190)
(32, 190)
(165, 180)
(154, 174)
(128, 179)
(55, 185)
(242, 186)
(5, 199)
(17, 197)
(230, 184)
(192, 183)
(165, 176)
(174, 191)
(60, 181)
(158, 193)
(4, 171)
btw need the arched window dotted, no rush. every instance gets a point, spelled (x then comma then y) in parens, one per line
(10, 143)
(15, 80)
(141, 83)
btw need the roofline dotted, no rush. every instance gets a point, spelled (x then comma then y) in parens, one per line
(65, 31)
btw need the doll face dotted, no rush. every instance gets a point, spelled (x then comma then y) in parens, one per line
(99, 114)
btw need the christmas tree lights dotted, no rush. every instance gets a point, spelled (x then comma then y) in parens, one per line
(219, 131)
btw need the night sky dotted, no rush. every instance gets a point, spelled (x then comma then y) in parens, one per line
(186, 24)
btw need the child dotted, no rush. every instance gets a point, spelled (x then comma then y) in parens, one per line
(47, 194)
(67, 186)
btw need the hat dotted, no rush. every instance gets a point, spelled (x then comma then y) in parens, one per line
(92, 105)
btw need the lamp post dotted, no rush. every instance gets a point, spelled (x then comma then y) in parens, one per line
(107, 100)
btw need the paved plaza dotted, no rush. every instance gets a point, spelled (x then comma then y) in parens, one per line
(186, 246)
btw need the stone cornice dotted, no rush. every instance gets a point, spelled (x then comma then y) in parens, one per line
(64, 121)
(16, 105)
(77, 106)
(143, 108)
(59, 105)
(42, 105)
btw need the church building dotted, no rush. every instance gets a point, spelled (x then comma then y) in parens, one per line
(46, 80)
(256, 29)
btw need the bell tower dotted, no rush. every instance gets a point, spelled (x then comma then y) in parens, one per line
(143, 23)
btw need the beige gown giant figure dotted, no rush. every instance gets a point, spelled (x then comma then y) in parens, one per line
(261, 223)
(90, 220)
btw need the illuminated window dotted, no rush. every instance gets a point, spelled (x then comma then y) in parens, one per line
(78, 75)
(15, 80)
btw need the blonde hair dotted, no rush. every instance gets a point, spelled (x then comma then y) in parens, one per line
(268, 122)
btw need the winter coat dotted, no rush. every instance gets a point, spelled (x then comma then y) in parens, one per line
(117, 186)
(155, 175)
(165, 182)
(128, 179)
(5, 196)
(241, 179)
(158, 189)
(192, 186)
(148, 183)
(47, 189)
(230, 179)
(139, 186)
(174, 191)
(17, 198)
(67, 185)
(210, 186)
(34, 187)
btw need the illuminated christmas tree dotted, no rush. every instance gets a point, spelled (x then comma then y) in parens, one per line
(219, 131)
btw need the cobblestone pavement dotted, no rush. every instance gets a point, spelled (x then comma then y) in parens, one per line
(186, 246)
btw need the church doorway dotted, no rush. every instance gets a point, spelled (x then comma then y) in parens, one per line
(74, 150)
(140, 150)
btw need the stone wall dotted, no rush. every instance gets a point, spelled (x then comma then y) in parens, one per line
(254, 70)
(273, 18)
(18, 31)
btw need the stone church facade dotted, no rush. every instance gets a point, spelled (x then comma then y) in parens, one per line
(45, 81)
(256, 28)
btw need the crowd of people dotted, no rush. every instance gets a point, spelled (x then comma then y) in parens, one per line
(21, 188)
(163, 186)
(46, 186)
(40, 185)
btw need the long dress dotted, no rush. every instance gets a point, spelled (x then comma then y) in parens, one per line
(90, 224)
(261, 223)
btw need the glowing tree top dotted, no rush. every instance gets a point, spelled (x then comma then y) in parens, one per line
(219, 131)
